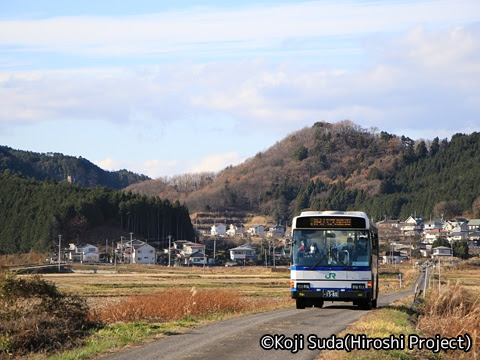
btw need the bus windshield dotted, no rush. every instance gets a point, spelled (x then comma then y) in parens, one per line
(332, 248)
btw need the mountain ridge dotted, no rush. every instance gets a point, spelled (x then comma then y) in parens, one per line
(59, 167)
(337, 166)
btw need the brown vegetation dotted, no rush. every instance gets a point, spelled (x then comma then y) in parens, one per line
(453, 311)
(177, 304)
(35, 317)
(331, 152)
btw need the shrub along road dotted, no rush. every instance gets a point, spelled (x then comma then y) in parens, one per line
(241, 338)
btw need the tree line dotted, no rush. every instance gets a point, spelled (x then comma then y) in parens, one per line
(33, 213)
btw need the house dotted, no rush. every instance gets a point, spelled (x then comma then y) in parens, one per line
(83, 253)
(473, 224)
(441, 251)
(413, 225)
(138, 252)
(256, 230)
(393, 257)
(144, 254)
(434, 225)
(456, 224)
(184, 252)
(276, 231)
(431, 235)
(389, 230)
(236, 230)
(196, 258)
(244, 252)
(191, 248)
(218, 229)
(425, 249)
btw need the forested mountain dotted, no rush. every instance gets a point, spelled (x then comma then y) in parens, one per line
(61, 167)
(340, 167)
(324, 167)
(34, 213)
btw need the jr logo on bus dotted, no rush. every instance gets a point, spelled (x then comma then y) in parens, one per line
(330, 276)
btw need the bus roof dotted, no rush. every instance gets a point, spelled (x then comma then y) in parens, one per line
(336, 213)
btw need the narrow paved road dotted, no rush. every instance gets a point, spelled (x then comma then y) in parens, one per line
(240, 338)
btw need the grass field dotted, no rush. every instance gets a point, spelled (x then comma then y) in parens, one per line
(241, 290)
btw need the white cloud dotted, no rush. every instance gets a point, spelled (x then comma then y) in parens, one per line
(153, 168)
(214, 30)
(217, 162)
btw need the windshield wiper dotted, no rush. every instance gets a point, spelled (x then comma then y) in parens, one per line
(319, 261)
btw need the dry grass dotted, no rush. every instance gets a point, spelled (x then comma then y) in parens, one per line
(35, 317)
(177, 303)
(388, 276)
(453, 311)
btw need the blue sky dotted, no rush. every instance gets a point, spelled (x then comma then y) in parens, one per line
(169, 87)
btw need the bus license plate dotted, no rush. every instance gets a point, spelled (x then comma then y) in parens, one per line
(330, 293)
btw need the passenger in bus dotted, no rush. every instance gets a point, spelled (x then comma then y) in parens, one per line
(314, 249)
(301, 248)
(349, 245)
(345, 251)
(360, 251)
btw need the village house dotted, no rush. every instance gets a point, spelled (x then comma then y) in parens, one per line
(441, 251)
(431, 235)
(389, 230)
(393, 257)
(256, 230)
(236, 230)
(138, 252)
(412, 226)
(474, 225)
(276, 231)
(244, 252)
(218, 229)
(186, 253)
(85, 253)
(434, 225)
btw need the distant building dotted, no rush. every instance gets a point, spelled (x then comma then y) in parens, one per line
(473, 224)
(218, 229)
(137, 252)
(236, 230)
(84, 253)
(256, 230)
(244, 252)
(413, 225)
(441, 251)
(187, 253)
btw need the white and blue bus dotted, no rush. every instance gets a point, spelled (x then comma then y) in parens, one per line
(334, 258)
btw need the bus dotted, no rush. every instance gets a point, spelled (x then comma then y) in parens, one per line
(334, 257)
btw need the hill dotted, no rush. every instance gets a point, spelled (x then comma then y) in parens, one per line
(61, 167)
(338, 166)
(34, 213)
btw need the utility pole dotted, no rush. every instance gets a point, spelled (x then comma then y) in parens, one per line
(438, 275)
(169, 245)
(59, 250)
(214, 247)
(121, 248)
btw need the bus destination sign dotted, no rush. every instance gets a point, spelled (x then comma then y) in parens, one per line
(326, 222)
